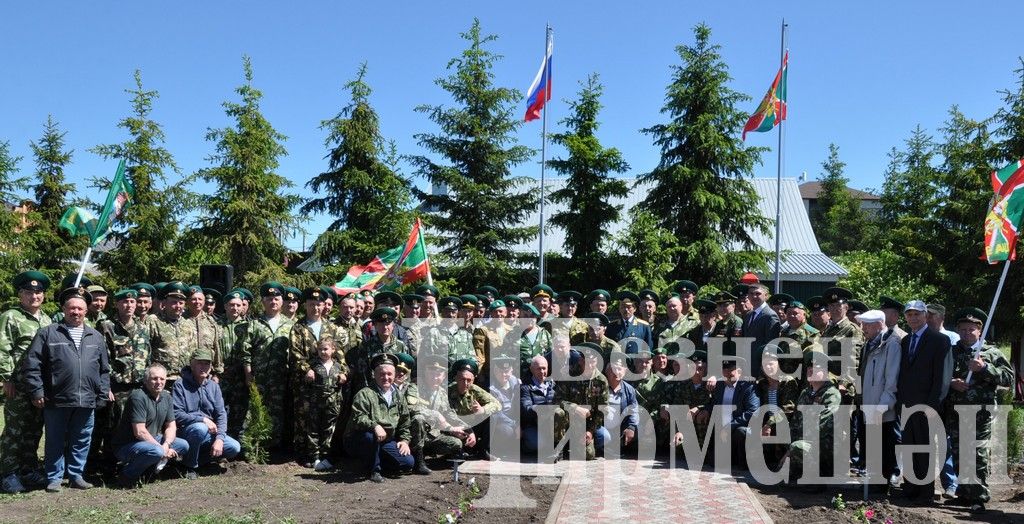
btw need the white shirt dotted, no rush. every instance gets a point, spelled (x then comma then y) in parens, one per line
(727, 396)
(274, 323)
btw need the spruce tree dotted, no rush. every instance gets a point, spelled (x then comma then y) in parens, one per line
(367, 197)
(910, 195)
(51, 248)
(589, 186)
(701, 192)
(839, 223)
(144, 235)
(11, 262)
(476, 220)
(249, 213)
(1010, 120)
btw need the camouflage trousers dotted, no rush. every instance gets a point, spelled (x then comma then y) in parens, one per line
(276, 398)
(799, 450)
(664, 435)
(562, 426)
(428, 441)
(316, 417)
(972, 491)
(23, 429)
(236, 400)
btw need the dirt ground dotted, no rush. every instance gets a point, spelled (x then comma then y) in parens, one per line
(791, 505)
(244, 493)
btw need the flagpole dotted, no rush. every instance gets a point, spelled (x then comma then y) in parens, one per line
(81, 269)
(778, 181)
(991, 312)
(543, 157)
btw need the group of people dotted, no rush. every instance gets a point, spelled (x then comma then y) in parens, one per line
(169, 376)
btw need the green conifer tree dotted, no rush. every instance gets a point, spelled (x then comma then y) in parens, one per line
(839, 223)
(51, 248)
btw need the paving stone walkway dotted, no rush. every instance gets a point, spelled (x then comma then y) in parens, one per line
(636, 491)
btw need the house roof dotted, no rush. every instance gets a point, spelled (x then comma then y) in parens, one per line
(811, 190)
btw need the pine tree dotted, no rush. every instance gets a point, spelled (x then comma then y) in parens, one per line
(476, 219)
(647, 250)
(50, 248)
(1010, 120)
(910, 194)
(839, 223)
(248, 214)
(367, 197)
(589, 186)
(144, 235)
(701, 192)
(12, 261)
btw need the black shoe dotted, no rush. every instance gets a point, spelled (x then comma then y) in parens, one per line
(977, 507)
(376, 477)
(960, 501)
(190, 474)
(421, 469)
(79, 483)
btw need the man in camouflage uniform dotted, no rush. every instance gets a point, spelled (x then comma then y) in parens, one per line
(840, 327)
(23, 423)
(490, 335)
(269, 343)
(291, 305)
(802, 333)
(819, 391)
(700, 333)
(382, 341)
(306, 336)
(692, 394)
(596, 329)
(471, 402)
(534, 340)
(728, 323)
(144, 304)
(681, 316)
(349, 333)
(206, 327)
(173, 338)
(989, 371)
(437, 429)
(568, 302)
(649, 380)
(96, 313)
(449, 340)
(128, 344)
(582, 399)
(237, 375)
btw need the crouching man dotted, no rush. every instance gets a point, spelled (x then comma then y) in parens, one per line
(379, 427)
(147, 434)
(199, 411)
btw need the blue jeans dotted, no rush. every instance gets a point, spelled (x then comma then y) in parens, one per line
(948, 476)
(378, 455)
(601, 436)
(139, 456)
(68, 436)
(199, 440)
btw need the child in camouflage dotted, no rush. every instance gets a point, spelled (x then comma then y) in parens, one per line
(324, 395)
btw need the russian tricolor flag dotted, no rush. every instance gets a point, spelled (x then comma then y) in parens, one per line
(540, 90)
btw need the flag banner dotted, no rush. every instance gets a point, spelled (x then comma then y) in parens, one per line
(540, 90)
(400, 265)
(772, 109)
(1005, 212)
(79, 221)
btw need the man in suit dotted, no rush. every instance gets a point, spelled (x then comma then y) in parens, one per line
(739, 402)
(924, 369)
(629, 326)
(761, 323)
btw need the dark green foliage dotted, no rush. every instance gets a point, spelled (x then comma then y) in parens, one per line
(589, 185)
(11, 245)
(476, 221)
(249, 213)
(701, 189)
(647, 252)
(50, 248)
(361, 189)
(839, 223)
(145, 234)
(258, 428)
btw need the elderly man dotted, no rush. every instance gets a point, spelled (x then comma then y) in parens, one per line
(199, 410)
(67, 375)
(379, 428)
(539, 390)
(474, 404)
(24, 424)
(880, 369)
(622, 418)
(147, 433)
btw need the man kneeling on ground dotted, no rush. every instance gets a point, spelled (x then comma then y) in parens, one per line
(379, 427)
(146, 434)
(199, 411)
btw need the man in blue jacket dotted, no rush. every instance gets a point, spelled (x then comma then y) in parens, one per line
(738, 402)
(621, 419)
(67, 375)
(199, 413)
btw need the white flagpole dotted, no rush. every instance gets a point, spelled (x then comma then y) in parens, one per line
(778, 181)
(543, 154)
(991, 312)
(81, 269)
(430, 276)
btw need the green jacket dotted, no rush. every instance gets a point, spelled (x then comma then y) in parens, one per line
(984, 383)
(17, 329)
(827, 396)
(129, 352)
(589, 394)
(369, 409)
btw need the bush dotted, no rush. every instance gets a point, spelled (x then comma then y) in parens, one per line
(1015, 435)
(258, 427)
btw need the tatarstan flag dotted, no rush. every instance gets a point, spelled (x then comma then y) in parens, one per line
(400, 265)
(772, 108)
(1005, 212)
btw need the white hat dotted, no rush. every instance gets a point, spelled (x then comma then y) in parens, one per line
(873, 315)
(916, 305)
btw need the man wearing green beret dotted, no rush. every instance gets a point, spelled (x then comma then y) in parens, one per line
(440, 429)
(448, 337)
(541, 296)
(23, 423)
(648, 310)
(692, 394)
(144, 304)
(415, 329)
(727, 324)
(820, 391)
(237, 362)
(597, 326)
(490, 334)
(699, 335)
(213, 299)
(268, 342)
(128, 343)
(381, 341)
(582, 400)
(208, 330)
(647, 380)
(379, 429)
(471, 402)
(349, 333)
(597, 301)
(676, 323)
(171, 336)
(430, 296)
(838, 329)
(799, 330)
(989, 370)
(306, 335)
(568, 302)
(292, 301)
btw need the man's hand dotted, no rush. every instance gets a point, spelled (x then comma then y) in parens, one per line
(9, 391)
(710, 383)
(217, 449)
(403, 448)
(215, 378)
(169, 452)
(582, 412)
(976, 364)
(766, 431)
(588, 438)
(628, 434)
(380, 433)
(110, 396)
(39, 402)
(678, 439)
(342, 378)
(959, 384)
(470, 440)
(476, 407)
(210, 425)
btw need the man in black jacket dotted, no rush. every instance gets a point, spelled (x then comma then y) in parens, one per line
(761, 323)
(924, 369)
(67, 375)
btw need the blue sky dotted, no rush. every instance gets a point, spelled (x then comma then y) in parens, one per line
(862, 74)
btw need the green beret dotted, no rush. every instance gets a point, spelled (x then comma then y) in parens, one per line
(815, 359)
(740, 290)
(233, 295)
(406, 362)
(590, 345)
(329, 292)
(469, 301)
(504, 357)
(203, 353)
(246, 294)
(313, 293)
(483, 300)
(449, 303)
(434, 362)
(542, 290)
(601, 318)
(858, 306)
(700, 355)
(780, 299)
(384, 314)
(176, 289)
(74, 292)
(890, 303)
(599, 294)
(659, 351)
(512, 301)
(618, 357)
(412, 299)
(389, 297)
(157, 288)
(816, 304)
(672, 348)
(972, 315)
(649, 294)
(193, 289)
(569, 297)
(489, 291)
(705, 306)
(272, 289)
(427, 290)
(212, 295)
(125, 293)
(836, 294)
(144, 289)
(292, 294)
(496, 304)
(532, 309)
(466, 364)
(32, 281)
(383, 359)
(627, 295)
(723, 297)
(69, 281)
(686, 285)
(795, 304)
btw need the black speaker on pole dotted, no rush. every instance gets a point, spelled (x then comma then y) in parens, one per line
(217, 276)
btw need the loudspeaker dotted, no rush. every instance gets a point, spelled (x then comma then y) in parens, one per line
(219, 277)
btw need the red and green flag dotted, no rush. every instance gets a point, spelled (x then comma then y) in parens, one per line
(80, 221)
(401, 265)
(1005, 213)
(772, 109)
